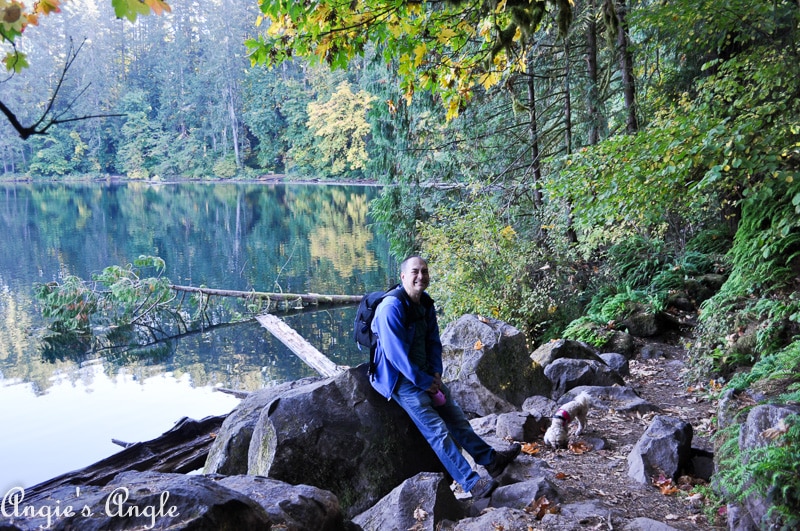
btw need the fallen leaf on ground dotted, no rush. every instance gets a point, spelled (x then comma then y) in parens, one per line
(531, 448)
(665, 484)
(540, 507)
(579, 447)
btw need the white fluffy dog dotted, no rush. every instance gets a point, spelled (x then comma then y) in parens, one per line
(557, 434)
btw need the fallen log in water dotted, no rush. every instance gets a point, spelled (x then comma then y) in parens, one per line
(302, 348)
(181, 449)
(307, 299)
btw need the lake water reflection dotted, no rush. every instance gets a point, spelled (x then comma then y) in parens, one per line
(61, 414)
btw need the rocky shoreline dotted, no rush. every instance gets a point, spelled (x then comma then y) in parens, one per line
(329, 453)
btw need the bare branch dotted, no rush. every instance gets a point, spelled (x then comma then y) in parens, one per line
(49, 117)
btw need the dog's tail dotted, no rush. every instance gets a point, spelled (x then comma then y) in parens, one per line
(583, 398)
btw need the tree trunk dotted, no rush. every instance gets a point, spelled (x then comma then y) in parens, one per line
(591, 70)
(567, 99)
(626, 67)
(533, 131)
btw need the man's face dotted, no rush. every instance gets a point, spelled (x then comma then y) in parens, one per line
(415, 278)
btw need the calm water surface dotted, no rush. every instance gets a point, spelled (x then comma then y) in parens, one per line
(60, 411)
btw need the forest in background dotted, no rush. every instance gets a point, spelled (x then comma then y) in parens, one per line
(562, 164)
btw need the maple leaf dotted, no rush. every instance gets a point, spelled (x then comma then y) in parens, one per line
(531, 448)
(478, 345)
(542, 506)
(579, 447)
(665, 485)
(45, 7)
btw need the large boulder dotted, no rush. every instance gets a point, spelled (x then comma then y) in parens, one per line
(566, 374)
(757, 431)
(420, 503)
(487, 366)
(563, 348)
(290, 507)
(340, 435)
(146, 500)
(229, 451)
(664, 448)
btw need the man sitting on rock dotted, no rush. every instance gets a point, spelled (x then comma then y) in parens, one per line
(408, 369)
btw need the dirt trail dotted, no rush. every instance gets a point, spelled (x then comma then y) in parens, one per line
(602, 473)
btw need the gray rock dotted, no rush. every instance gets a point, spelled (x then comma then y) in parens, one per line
(342, 436)
(519, 495)
(150, 500)
(290, 507)
(563, 348)
(621, 343)
(228, 452)
(650, 352)
(540, 405)
(727, 409)
(580, 515)
(484, 425)
(519, 426)
(751, 436)
(619, 398)
(642, 324)
(566, 374)
(419, 503)
(647, 524)
(501, 518)
(664, 448)
(739, 519)
(616, 362)
(495, 378)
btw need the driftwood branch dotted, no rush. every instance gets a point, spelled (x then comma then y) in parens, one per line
(305, 298)
(182, 449)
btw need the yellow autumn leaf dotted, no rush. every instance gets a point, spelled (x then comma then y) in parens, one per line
(478, 345)
(489, 79)
(452, 109)
(445, 35)
(419, 53)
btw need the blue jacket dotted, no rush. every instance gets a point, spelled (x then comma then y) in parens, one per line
(395, 335)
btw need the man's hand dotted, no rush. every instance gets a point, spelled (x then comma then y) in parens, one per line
(437, 383)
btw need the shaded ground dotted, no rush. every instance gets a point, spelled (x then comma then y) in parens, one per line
(601, 474)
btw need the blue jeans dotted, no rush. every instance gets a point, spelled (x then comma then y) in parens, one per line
(445, 428)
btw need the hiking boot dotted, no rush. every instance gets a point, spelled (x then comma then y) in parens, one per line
(502, 459)
(483, 488)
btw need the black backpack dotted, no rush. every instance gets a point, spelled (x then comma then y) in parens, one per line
(362, 327)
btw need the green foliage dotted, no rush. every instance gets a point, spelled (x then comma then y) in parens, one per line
(768, 470)
(119, 308)
(586, 329)
(781, 367)
(339, 126)
(58, 154)
(482, 265)
(435, 46)
(636, 260)
(225, 167)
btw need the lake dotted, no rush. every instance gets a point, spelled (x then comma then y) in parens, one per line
(60, 410)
